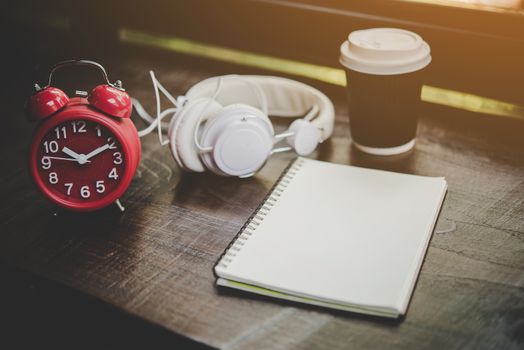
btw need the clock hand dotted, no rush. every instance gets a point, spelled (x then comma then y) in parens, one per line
(71, 153)
(62, 158)
(97, 151)
(80, 158)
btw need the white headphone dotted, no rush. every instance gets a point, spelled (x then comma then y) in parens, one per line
(222, 123)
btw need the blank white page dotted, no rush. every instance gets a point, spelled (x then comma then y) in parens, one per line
(341, 234)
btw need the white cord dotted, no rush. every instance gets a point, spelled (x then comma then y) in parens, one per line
(156, 85)
(195, 134)
(154, 124)
(166, 93)
(145, 116)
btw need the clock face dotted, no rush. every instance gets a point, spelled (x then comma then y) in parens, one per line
(80, 161)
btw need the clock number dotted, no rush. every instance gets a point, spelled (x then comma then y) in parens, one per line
(112, 143)
(98, 131)
(51, 146)
(69, 187)
(79, 126)
(118, 158)
(46, 163)
(84, 192)
(61, 131)
(53, 178)
(100, 188)
(113, 174)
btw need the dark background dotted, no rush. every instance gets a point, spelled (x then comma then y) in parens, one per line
(474, 51)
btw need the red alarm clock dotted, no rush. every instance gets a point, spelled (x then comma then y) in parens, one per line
(86, 150)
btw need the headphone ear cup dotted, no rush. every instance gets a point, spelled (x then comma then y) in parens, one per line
(45, 103)
(111, 101)
(241, 137)
(181, 132)
(306, 137)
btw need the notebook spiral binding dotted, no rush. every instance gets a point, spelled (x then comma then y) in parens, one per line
(249, 228)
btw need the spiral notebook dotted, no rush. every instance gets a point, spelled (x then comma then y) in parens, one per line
(338, 236)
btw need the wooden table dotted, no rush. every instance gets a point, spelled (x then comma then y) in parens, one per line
(155, 260)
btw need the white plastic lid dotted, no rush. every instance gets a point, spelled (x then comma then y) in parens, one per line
(384, 51)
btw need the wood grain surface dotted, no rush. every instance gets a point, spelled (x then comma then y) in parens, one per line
(155, 260)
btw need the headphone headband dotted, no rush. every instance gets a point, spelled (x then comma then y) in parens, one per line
(285, 97)
(237, 136)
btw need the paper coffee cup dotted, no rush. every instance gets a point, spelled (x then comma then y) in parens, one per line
(384, 78)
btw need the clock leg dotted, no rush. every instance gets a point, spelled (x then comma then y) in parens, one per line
(119, 205)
